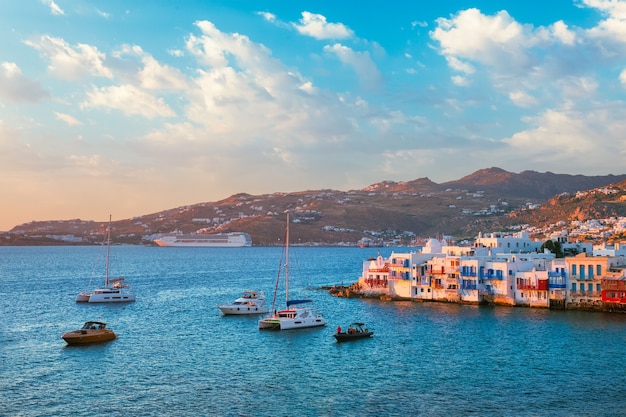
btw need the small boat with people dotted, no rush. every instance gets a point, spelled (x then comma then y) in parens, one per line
(250, 302)
(356, 331)
(91, 332)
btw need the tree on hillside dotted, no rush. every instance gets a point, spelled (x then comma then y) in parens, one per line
(554, 247)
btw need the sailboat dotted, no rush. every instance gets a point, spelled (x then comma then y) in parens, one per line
(294, 316)
(115, 290)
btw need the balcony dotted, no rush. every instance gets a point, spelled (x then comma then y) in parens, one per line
(586, 293)
(526, 287)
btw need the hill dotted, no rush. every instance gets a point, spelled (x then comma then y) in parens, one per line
(487, 200)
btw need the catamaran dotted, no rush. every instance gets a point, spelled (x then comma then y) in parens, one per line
(294, 316)
(115, 290)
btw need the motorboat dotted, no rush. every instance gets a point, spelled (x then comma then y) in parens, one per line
(295, 316)
(91, 332)
(355, 331)
(250, 302)
(115, 290)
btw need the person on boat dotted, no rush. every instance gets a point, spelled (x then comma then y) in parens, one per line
(338, 329)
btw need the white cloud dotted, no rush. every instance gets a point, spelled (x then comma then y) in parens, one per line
(71, 62)
(316, 26)
(460, 81)
(154, 75)
(15, 87)
(366, 69)
(591, 139)
(54, 8)
(522, 99)
(622, 77)
(270, 17)
(614, 8)
(70, 120)
(129, 99)
(561, 31)
(460, 66)
(103, 14)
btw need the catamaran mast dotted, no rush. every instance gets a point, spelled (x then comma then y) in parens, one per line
(106, 267)
(287, 259)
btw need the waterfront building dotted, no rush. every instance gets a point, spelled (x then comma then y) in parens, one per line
(506, 243)
(586, 275)
(614, 290)
(484, 274)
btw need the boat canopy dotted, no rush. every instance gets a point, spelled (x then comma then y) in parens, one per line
(295, 302)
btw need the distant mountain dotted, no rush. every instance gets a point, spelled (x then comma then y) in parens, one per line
(531, 184)
(487, 200)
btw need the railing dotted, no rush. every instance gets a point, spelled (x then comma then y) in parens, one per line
(526, 287)
(556, 286)
(585, 293)
(492, 276)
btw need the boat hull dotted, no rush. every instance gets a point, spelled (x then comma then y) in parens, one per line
(220, 240)
(234, 310)
(292, 320)
(111, 296)
(83, 337)
(346, 337)
(83, 297)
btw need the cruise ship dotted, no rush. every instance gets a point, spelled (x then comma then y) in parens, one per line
(216, 240)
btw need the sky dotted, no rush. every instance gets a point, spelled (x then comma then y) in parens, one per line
(132, 107)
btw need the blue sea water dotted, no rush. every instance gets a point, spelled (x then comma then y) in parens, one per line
(176, 355)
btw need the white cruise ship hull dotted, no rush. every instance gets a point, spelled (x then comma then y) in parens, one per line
(217, 240)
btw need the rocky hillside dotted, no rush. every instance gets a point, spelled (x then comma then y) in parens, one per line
(487, 200)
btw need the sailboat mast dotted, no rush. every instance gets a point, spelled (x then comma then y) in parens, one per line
(106, 267)
(287, 258)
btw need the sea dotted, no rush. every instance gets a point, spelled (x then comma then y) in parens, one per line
(177, 355)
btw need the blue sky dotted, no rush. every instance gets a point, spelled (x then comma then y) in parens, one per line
(128, 108)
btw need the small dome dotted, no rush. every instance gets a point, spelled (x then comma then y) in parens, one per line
(432, 246)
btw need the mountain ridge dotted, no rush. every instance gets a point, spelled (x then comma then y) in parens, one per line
(485, 200)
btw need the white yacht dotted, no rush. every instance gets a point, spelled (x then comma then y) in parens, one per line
(115, 290)
(294, 316)
(251, 302)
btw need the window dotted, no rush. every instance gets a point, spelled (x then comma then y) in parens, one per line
(573, 287)
(582, 272)
(590, 271)
(590, 287)
(573, 269)
(598, 288)
(598, 270)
